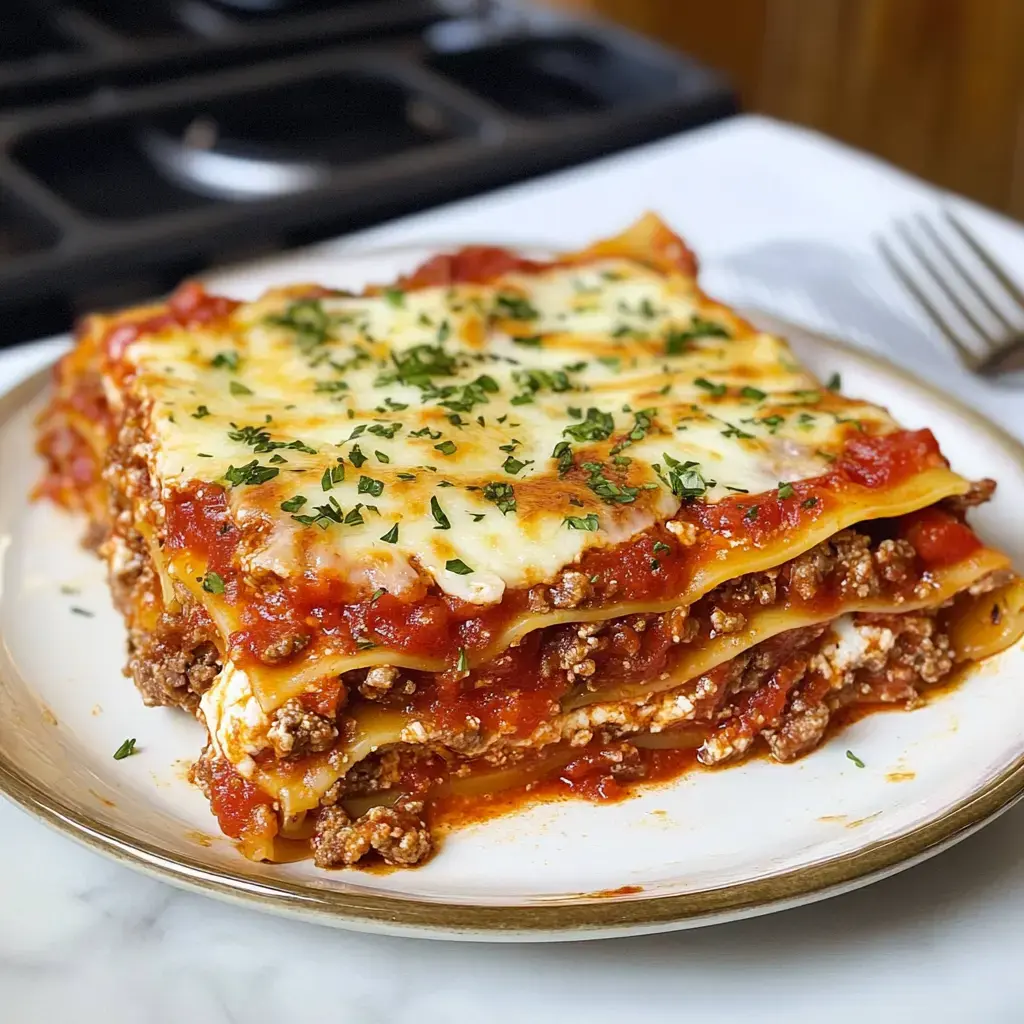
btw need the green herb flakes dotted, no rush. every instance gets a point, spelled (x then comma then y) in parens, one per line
(213, 583)
(125, 750)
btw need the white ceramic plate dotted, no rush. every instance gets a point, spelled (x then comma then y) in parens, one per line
(711, 847)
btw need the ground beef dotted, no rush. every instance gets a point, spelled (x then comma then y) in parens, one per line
(398, 834)
(571, 590)
(904, 653)
(172, 668)
(894, 560)
(801, 730)
(296, 732)
(284, 648)
(756, 588)
(723, 622)
(979, 492)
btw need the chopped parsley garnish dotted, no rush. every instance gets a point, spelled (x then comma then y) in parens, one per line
(236, 387)
(251, 473)
(835, 382)
(367, 485)
(125, 750)
(660, 546)
(715, 390)
(225, 361)
(515, 307)
(751, 514)
(354, 517)
(425, 432)
(213, 583)
(809, 396)
(391, 537)
(462, 665)
(469, 395)
(503, 495)
(607, 490)
(589, 522)
(325, 515)
(330, 385)
(731, 430)
(446, 447)
(809, 502)
(532, 381)
(457, 566)
(356, 456)
(512, 465)
(785, 490)
(201, 413)
(855, 759)
(596, 426)
(332, 475)
(643, 419)
(416, 366)
(84, 612)
(381, 457)
(293, 504)
(395, 297)
(443, 523)
(309, 320)
(377, 594)
(677, 342)
(684, 479)
(387, 430)
(530, 341)
(755, 394)
(563, 452)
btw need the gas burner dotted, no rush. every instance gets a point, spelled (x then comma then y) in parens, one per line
(145, 141)
(287, 140)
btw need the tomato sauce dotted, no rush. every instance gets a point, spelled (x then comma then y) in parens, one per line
(199, 521)
(939, 537)
(189, 306)
(232, 798)
(475, 264)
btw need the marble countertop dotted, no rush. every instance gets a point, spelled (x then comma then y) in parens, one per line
(785, 221)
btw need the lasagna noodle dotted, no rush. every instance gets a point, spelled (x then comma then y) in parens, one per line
(376, 727)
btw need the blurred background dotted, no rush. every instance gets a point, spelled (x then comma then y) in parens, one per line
(935, 86)
(142, 141)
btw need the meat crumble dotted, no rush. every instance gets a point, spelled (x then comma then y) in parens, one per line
(398, 834)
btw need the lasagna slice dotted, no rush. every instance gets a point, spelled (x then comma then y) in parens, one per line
(504, 523)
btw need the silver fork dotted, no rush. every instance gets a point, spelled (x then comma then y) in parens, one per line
(986, 348)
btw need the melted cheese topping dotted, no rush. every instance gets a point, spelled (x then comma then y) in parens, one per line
(407, 434)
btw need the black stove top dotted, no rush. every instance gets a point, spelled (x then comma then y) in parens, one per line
(143, 141)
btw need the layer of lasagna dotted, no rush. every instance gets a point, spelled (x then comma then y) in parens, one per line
(502, 522)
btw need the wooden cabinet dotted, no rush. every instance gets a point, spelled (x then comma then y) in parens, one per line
(936, 86)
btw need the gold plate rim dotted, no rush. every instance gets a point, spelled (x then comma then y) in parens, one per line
(577, 917)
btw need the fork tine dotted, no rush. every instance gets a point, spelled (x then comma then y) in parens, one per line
(997, 271)
(967, 357)
(968, 277)
(936, 275)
